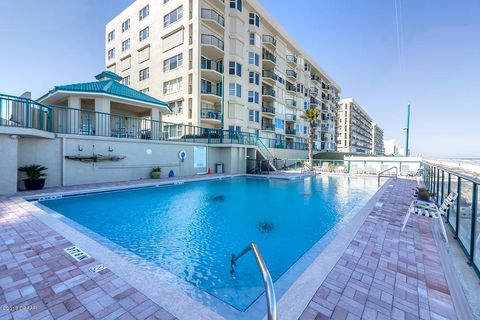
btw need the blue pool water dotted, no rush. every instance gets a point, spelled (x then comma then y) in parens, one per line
(192, 229)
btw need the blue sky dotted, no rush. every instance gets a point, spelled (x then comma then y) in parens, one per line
(46, 43)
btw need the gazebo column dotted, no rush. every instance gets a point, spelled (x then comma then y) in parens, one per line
(156, 125)
(72, 122)
(102, 117)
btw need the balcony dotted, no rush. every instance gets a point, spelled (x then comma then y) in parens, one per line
(269, 77)
(269, 42)
(269, 60)
(214, 20)
(268, 110)
(268, 126)
(210, 115)
(291, 102)
(291, 87)
(316, 80)
(292, 75)
(290, 131)
(211, 92)
(212, 46)
(314, 91)
(290, 117)
(291, 60)
(211, 70)
(219, 4)
(314, 102)
(268, 93)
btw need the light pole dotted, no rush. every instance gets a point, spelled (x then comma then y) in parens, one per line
(407, 152)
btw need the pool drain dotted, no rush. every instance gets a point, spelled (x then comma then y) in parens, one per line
(218, 198)
(265, 227)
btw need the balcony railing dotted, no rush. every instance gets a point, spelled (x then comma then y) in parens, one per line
(290, 131)
(290, 117)
(462, 216)
(210, 114)
(211, 89)
(316, 78)
(211, 65)
(291, 102)
(209, 39)
(291, 87)
(268, 92)
(268, 39)
(269, 56)
(270, 127)
(292, 74)
(214, 16)
(292, 58)
(268, 109)
(269, 74)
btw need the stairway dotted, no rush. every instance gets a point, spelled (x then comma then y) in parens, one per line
(263, 151)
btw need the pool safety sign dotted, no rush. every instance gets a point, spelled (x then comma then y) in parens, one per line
(199, 157)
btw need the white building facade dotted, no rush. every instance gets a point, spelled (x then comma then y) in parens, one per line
(353, 128)
(179, 51)
(378, 147)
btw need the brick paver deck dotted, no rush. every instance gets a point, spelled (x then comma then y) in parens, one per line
(36, 273)
(385, 274)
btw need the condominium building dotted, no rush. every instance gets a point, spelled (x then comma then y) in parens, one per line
(353, 128)
(198, 55)
(378, 148)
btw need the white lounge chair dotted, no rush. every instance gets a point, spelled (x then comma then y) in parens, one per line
(430, 210)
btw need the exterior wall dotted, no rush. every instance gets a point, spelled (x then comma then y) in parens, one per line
(288, 153)
(201, 21)
(8, 165)
(353, 128)
(377, 138)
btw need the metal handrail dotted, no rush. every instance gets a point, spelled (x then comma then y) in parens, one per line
(380, 173)
(267, 279)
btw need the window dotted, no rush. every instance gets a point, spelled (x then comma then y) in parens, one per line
(254, 19)
(172, 86)
(236, 4)
(254, 59)
(279, 123)
(173, 62)
(254, 78)
(235, 90)
(126, 81)
(145, 91)
(143, 13)
(252, 38)
(126, 25)
(144, 74)
(253, 116)
(176, 106)
(173, 16)
(111, 54)
(235, 68)
(144, 34)
(253, 97)
(111, 35)
(126, 45)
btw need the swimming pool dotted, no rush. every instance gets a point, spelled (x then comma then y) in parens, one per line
(192, 229)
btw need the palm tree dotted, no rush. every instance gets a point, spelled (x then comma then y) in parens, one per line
(311, 115)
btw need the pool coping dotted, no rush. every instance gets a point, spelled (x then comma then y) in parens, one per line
(175, 300)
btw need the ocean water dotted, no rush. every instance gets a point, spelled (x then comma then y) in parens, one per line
(192, 229)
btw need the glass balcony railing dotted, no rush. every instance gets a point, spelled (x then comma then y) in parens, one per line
(269, 74)
(211, 89)
(292, 58)
(269, 56)
(211, 65)
(212, 40)
(210, 114)
(213, 16)
(268, 92)
(290, 117)
(268, 109)
(290, 131)
(292, 74)
(270, 127)
(268, 39)
(291, 102)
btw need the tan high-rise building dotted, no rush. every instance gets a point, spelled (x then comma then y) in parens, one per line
(179, 50)
(353, 128)
(377, 138)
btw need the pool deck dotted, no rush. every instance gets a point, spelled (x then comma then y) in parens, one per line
(383, 274)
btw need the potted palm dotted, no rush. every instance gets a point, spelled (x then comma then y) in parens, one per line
(156, 172)
(35, 174)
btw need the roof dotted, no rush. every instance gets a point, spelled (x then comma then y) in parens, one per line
(110, 87)
(108, 75)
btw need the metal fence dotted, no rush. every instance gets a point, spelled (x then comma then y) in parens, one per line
(463, 215)
(24, 113)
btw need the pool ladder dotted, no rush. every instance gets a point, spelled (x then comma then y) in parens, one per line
(267, 279)
(381, 174)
